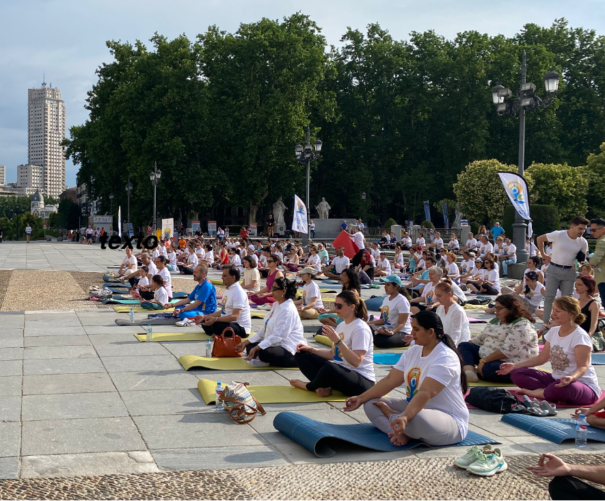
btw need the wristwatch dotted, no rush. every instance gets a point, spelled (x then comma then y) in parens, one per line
(339, 343)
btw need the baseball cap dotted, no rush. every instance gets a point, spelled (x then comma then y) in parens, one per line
(393, 279)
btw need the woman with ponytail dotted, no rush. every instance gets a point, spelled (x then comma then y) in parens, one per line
(434, 410)
(567, 347)
(349, 366)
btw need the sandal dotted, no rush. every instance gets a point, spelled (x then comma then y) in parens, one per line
(548, 407)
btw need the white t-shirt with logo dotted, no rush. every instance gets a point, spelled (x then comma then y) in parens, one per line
(442, 365)
(466, 266)
(565, 249)
(563, 356)
(438, 243)
(341, 263)
(455, 323)
(391, 309)
(358, 337)
(385, 265)
(132, 261)
(428, 293)
(235, 297)
(161, 296)
(314, 262)
(310, 291)
(485, 248)
(471, 243)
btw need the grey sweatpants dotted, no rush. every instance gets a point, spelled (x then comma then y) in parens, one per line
(557, 278)
(432, 426)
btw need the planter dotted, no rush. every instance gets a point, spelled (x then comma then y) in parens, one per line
(48, 238)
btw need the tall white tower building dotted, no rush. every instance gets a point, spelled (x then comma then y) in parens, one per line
(46, 127)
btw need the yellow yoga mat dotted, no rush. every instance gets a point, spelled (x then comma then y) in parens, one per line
(138, 309)
(326, 340)
(173, 336)
(271, 394)
(224, 364)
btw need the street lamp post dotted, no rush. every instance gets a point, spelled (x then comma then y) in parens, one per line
(305, 155)
(526, 100)
(155, 177)
(128, 191)
(363, 210)
(111, 210)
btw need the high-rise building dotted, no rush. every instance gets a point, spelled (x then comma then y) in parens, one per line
(46, 127)
(2, 174)
(30, 176)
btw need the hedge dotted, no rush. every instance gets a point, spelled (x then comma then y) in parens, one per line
(388, 223)
(545, 218)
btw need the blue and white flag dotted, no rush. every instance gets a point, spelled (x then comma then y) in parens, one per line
(427, 210)
(299, 222)
(446, 219)
(518, 193)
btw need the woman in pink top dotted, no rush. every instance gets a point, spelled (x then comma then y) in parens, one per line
(265, 295)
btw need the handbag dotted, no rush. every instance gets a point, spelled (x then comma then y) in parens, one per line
(225, 346)
(240, 404)
(495, 400)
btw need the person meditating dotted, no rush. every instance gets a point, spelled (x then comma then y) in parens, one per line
(311, 301)
(567, 347)
(434, 410)
(510, 337)
(428, 297)
(393, 328)
(265, 296)
(349, 366)
(350, 282)
(201, 301)
(160, 295)
(275, 343)
(586, 288)
(452, 315)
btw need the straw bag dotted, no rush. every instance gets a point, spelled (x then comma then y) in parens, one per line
(224, 347)
(240, 404)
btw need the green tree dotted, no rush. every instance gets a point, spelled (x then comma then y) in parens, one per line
(560, 185)
(480, 192)
(594, 173)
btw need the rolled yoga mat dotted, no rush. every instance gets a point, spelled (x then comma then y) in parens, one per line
(325, 340)
(598, 358)
(162, 337)
(374, 303)
(554, 429)
(318, 437)
(271, 394)
(149, 321)
(224, 364)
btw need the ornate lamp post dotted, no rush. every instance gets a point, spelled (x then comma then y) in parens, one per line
(305, 155)
(363, 201)
(155, 177)
(526, 100)
(129, 188)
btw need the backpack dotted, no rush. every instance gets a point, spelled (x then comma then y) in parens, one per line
(480, 301)
(495, 400)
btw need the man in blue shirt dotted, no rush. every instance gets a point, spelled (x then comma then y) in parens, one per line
(343, 225)
(201, 301)
(497, 230)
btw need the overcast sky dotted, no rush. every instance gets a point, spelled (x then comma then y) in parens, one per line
(65, 39)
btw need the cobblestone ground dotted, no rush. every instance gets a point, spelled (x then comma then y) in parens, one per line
(433, 478)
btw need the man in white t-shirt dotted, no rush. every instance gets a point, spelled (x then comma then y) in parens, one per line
(28, 232)
(359, 239)
(234, 308)
(339, 263)
(383, 266)
(406, 242)
(471, 243)
(485, 246)
(562, 272)
(311, 296)
(508, 256)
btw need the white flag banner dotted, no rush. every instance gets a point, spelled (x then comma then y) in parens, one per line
(120, 222)
(518, 193)
(299, 223)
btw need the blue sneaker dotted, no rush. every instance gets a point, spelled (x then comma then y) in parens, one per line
(488, 465)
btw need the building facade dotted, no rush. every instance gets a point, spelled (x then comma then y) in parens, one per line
(39, 208)
(30, 176)
(2, 174)
(46, 131)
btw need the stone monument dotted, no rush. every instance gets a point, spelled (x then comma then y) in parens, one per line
(278, 214)
(323, 209)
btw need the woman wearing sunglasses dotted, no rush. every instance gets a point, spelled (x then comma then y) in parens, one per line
(349, 366)
(265, 295)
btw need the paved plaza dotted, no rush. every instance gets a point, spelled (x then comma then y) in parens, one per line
(80, 396)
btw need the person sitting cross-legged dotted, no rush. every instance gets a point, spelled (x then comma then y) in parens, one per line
(339, 263)
(434, 410)
(191, 262)
(275, 343)
(350, 282)
(393, 328)
(311, 296)
(383, 266)
(160, 295)
(201, 301)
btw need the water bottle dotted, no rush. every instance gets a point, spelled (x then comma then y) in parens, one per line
(218, 393)
(131, 314)
(149, 333)
(208, 348)
(405, 277)
(581, 432)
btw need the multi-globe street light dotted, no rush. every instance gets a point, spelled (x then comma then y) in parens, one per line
(155, 177)
(305, 155)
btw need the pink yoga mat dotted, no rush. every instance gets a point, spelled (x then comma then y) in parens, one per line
(559, 405)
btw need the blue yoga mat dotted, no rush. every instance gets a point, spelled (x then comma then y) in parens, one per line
(374, 303)
(317, 437)
(598, 359)
(386, 358)
(117, 285)
(555, 430)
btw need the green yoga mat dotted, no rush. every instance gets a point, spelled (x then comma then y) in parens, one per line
(223, 364)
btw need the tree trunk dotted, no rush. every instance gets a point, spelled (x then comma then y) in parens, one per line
(252, 213)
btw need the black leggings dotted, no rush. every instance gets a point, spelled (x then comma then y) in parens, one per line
(185, 270)
(274, 355)
(323, 373)
(148, 295)
(568, 487)
(489, 290)
(394, 341)
(217, 328)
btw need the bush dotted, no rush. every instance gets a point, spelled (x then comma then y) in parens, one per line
(388, 223)
(474, 227)
(427, 224)
(545, 219)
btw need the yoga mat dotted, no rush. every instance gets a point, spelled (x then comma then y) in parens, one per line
(495, 385)
(128, 301)
(149, 321)
(138, 309)
(117, 285)
(476, 320)
(271, 394)
(162, 337)
(374, 303)
(326, 341)
(386, 358)
(598, 359)
(554, 429)
(317, 437)
(223, 364)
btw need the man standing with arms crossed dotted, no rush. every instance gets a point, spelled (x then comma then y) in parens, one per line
(597, 230)
(561, 272)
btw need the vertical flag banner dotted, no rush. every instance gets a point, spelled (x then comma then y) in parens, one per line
(299, 223)
(446, 219)
(518, 193)
(120, 221)
(168, 228)
(427, 210)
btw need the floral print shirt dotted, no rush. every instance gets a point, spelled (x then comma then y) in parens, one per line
(518, 340)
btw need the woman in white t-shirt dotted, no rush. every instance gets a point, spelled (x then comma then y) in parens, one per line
(567, 347)
(452, 268)
(313, 261)
(490, 284)
(533, 264)
(428, 300)
(349, 366)
(452, 315)
(160, 295)
(434, 410)
(398, 259)
(532, 294)
(466, 265)
(311, 301)
(393, 328)
(420, 241)
(251, 275)
(171, 256)
(453, 245)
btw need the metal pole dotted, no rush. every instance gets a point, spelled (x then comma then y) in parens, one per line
(519, 226)
(155, 183)
(305, 239)
(129, 206)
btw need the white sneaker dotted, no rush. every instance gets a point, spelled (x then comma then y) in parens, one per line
(488, 465)
(185, 323)
(255, 362)
(471, 456)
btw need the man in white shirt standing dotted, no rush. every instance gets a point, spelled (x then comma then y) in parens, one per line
(339, 263)
(28, 232)
(562, 272)
(234, 309)
(359, 239)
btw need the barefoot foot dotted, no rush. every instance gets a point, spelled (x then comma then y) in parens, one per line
(386, 410)
(400, 440)
(323, 392)
(297, 383)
